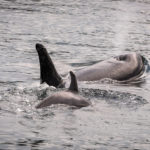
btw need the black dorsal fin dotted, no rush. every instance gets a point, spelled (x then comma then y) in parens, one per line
(48, 71)
(73, 84)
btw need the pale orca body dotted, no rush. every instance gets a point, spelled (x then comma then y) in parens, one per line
(121, 68)
(69, 97)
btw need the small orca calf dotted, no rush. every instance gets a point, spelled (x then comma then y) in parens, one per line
(121, 68)
(69, 97)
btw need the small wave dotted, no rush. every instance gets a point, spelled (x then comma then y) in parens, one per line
(116, 98)
(79, 45)
(23, 100)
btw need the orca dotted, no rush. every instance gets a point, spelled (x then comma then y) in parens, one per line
(121, 68)
(69, 97)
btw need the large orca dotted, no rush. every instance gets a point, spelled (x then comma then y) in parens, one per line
(122, 68)
(70, 97)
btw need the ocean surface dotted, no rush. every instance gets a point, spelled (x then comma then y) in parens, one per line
(76, 33)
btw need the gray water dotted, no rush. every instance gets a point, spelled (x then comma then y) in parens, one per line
(77, 33)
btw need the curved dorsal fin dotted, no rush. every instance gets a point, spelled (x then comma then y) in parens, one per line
(49, 73)
(73, 84)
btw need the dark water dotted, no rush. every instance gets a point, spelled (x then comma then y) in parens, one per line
(76, 33)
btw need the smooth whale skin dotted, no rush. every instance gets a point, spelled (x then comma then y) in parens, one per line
(64, 97)
(119, 68)
(70, 97)
(122, 68)
(48, 72)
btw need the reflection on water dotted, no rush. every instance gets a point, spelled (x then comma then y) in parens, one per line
(76, 33)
